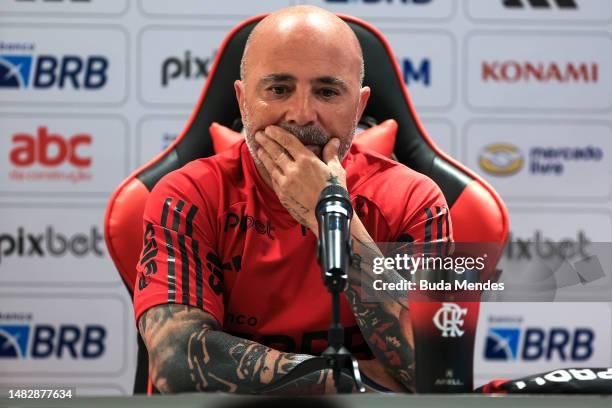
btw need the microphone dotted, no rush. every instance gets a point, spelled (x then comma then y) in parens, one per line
(334, 213)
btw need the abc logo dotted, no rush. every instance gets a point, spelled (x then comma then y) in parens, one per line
(50, 150)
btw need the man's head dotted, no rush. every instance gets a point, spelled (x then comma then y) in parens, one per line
(302, 70)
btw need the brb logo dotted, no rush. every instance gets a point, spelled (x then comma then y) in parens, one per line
(47, 341)
(449, 320)
(537, 344)
(21, 68)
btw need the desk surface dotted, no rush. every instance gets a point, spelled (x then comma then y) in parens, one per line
(375, 401)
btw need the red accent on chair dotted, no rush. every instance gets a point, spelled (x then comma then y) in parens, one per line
(123, 227)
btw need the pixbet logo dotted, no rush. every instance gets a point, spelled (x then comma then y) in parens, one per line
(416, 72)
(449, 320)
(44, 71)
(535, 343)
(189, 67)
(541, 247)
(47, 341)
(50, 243)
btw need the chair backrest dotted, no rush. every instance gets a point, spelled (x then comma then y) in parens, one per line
(477, 212)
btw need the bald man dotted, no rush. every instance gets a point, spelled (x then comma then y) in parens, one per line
(229, 295)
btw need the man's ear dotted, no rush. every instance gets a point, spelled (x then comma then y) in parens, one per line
(364, 95)
(239, 89)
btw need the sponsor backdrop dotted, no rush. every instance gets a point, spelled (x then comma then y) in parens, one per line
(519, 90)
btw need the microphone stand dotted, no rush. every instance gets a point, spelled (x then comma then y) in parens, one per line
(336, 356)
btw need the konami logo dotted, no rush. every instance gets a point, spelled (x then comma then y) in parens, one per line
(50, 151)
(526, 71)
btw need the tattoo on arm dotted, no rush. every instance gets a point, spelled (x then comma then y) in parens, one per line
(332, 179)
(298, 216)
(187, 352)
(380, 321)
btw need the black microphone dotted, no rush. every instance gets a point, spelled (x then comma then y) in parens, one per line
(334, 213)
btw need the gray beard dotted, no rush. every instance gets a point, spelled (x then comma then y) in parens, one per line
(307, 135)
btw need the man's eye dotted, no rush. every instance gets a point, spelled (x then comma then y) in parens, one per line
(328, 93)
(278, 90)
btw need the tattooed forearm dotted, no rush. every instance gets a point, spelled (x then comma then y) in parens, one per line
(380, 321)
(297, 210)
(187, 352)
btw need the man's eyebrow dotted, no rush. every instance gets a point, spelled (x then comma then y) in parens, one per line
(331, 80)
(277, 78)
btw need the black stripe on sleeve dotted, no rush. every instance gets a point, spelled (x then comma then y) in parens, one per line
(171, 262)
(184, 268)
(439, 217)
(169, 250)
(164, 216)
(198, 269)
(189, 226)
(448, 238)
(176, 222)
(427, 237)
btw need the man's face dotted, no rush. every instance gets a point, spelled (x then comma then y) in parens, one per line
(309, 87)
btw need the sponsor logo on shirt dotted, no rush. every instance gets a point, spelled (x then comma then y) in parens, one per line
(245, 222)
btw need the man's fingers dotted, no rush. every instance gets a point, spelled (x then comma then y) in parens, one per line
(287, 140)
(276, 152)
(273, 170)
(330, 152)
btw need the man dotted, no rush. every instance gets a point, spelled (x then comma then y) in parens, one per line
(229, 295)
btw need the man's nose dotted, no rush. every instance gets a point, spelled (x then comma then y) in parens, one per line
(301, 110)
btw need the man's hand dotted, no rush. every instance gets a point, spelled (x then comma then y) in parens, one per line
(298, 176)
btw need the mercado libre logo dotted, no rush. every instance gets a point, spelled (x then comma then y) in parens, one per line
(505, 159)
(501, 159)
(46, 155)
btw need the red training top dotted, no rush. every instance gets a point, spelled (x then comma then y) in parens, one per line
(216, 237)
